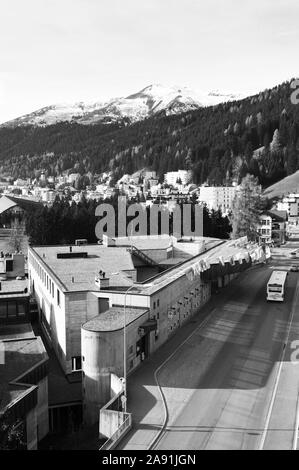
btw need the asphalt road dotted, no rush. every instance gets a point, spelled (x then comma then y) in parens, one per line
(232, 384)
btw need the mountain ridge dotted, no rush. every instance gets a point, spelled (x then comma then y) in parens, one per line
(137, 106)
(257, 135)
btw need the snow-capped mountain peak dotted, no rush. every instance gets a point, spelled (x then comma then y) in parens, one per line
(137, 106)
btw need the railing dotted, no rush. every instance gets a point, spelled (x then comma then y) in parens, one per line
(119, 433)
(143, 256)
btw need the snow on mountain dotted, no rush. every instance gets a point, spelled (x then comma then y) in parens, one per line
(150, 100)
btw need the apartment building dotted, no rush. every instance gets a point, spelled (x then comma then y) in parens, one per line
(272, 228)
(178, 177)
(218, 197)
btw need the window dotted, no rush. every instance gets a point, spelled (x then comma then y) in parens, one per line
(9, 265)
(76, 363)
(58, 297)
(3, 310)
(11, 309)
(21, 309)
(131, 350)
(158, 302)
(154, 305)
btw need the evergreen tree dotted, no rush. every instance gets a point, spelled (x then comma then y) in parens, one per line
(246, 209)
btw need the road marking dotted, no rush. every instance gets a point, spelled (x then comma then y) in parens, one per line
(201, 325)
(295, 438)
(264, 435)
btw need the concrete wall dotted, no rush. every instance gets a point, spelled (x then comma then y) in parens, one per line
(76, 314)
(65, 320)
(31, 429)
(103, 354)
(156, 254)
(115, 298)
(103, 351)
(116, 385)
(146, 272)
(172, 309)
(55, 316)
(110, 421)
(42, 414)
(18, 266)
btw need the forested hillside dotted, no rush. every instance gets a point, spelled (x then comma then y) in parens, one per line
(259, 135)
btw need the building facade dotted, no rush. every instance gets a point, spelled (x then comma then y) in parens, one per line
(272, 228)
(24, 383)
(153, 285)
(218, 197)
(183, 176)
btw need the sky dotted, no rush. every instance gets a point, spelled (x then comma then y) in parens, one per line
(54, 51)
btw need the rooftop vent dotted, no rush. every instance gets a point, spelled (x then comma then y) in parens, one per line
(80, 254)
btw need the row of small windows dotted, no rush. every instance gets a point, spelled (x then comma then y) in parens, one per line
(46, 280)
(183, 303)
(265, 222)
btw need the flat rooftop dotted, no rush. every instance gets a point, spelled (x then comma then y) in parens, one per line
(160, 242)
(16, 331)
(19, 352)
(225, 249)
(78, 274)
(113, 319)
(144, 242)
(11, 286)
(112, 260)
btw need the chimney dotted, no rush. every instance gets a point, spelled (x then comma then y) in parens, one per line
(102, 281)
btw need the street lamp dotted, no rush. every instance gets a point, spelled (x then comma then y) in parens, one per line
(125, 352)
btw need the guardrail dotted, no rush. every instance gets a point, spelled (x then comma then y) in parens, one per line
(119, 433)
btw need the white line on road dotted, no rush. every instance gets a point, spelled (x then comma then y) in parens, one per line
(264, 435)
(201, 325)
(295, 437)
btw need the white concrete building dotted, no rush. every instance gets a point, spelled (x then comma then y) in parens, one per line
(169, 280)
(184, 176)
(218, 197)
(265, 229)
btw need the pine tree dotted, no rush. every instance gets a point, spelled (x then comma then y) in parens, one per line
(291, 159)
(246, 209)
(275, 145)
